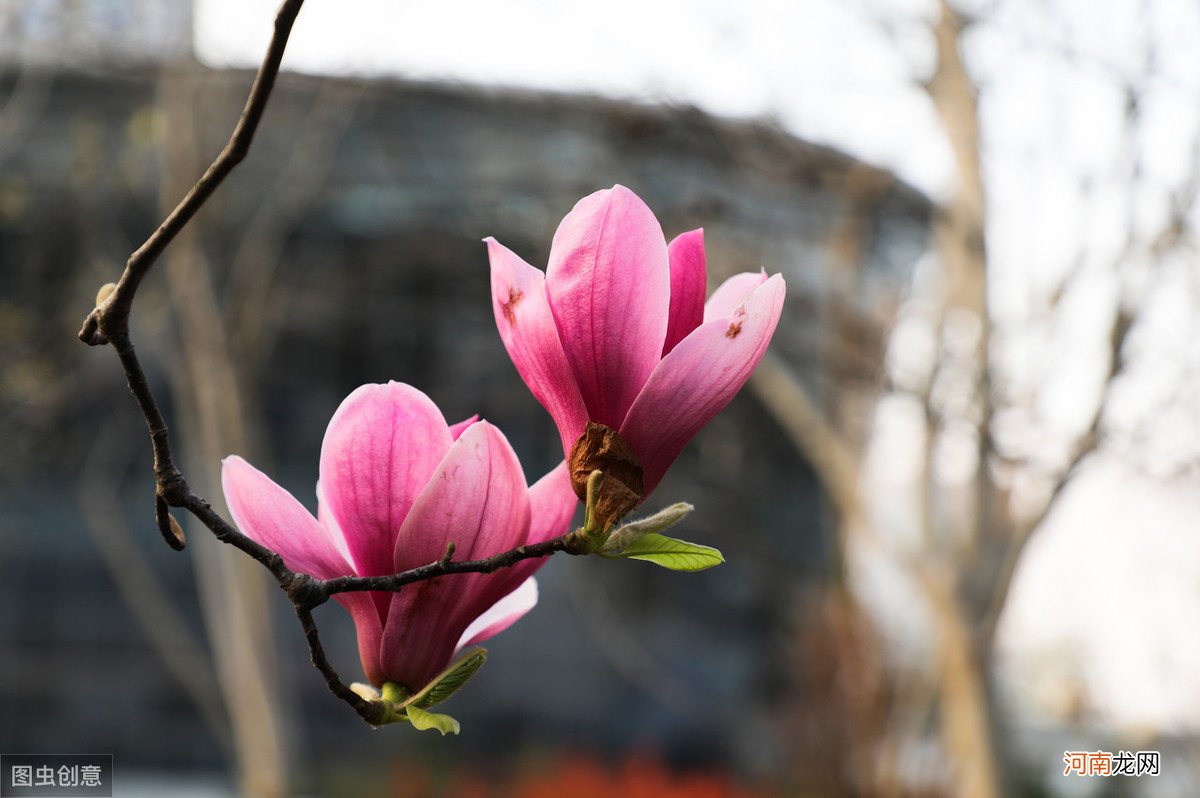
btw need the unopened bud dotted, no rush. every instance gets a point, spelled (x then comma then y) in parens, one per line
(168, 527)
(394, 693)
(629, 533)
(365, 691)
(176, 529)
(104, 293)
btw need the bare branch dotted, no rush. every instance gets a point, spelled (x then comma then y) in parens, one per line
(112, 317)
(959, 240)
(321, 589)
(109, 322)
(370, 712)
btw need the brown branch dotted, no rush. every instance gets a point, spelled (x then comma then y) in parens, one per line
(322, 589)
(370, 712)
(112, 317)
(959, 237)
(108, 323)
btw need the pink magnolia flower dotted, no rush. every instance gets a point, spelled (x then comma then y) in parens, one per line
(617, 330)
(397, 483)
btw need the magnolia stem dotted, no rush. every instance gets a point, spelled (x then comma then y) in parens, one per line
(324, 588)
(108, 323)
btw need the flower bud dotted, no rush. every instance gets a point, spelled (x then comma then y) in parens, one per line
(104, 293)
(629, 533)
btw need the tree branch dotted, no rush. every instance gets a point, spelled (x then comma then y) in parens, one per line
(324, 588)
(368, 711)
(112, 317)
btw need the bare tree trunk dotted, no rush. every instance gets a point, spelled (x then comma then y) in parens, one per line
(959, 241)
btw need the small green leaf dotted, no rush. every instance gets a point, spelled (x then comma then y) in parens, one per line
(446, 683)
(422, 720)
(678, 555)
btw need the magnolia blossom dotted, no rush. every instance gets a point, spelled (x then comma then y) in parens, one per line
(397, 483)
(617, 331)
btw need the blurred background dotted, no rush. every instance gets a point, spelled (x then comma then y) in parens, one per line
(958, 499)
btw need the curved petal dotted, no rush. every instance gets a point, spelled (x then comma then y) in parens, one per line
(326, 519)
(698, 378)
(609, 287)
(380, 449)
(478, 499)
(527, 328)
(732, 293)
(270, 515)
(456, 430)
(688, 286)
(501, 615)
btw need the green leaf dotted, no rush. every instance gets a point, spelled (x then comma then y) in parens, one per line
(446, 683)
(678, 555)
(422, 720)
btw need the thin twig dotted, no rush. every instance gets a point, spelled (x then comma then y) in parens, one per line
(370, 712)
(324, 588)
(113, 315)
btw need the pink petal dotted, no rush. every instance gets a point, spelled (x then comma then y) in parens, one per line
(609, 285)
(380, 449)
(732, 293)
(527, 328)
(478, 499)
(688, 286)
(501, 615)
(326, 519)
(456, 430)
(364, 609)
(698, 378)
(271, 516)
